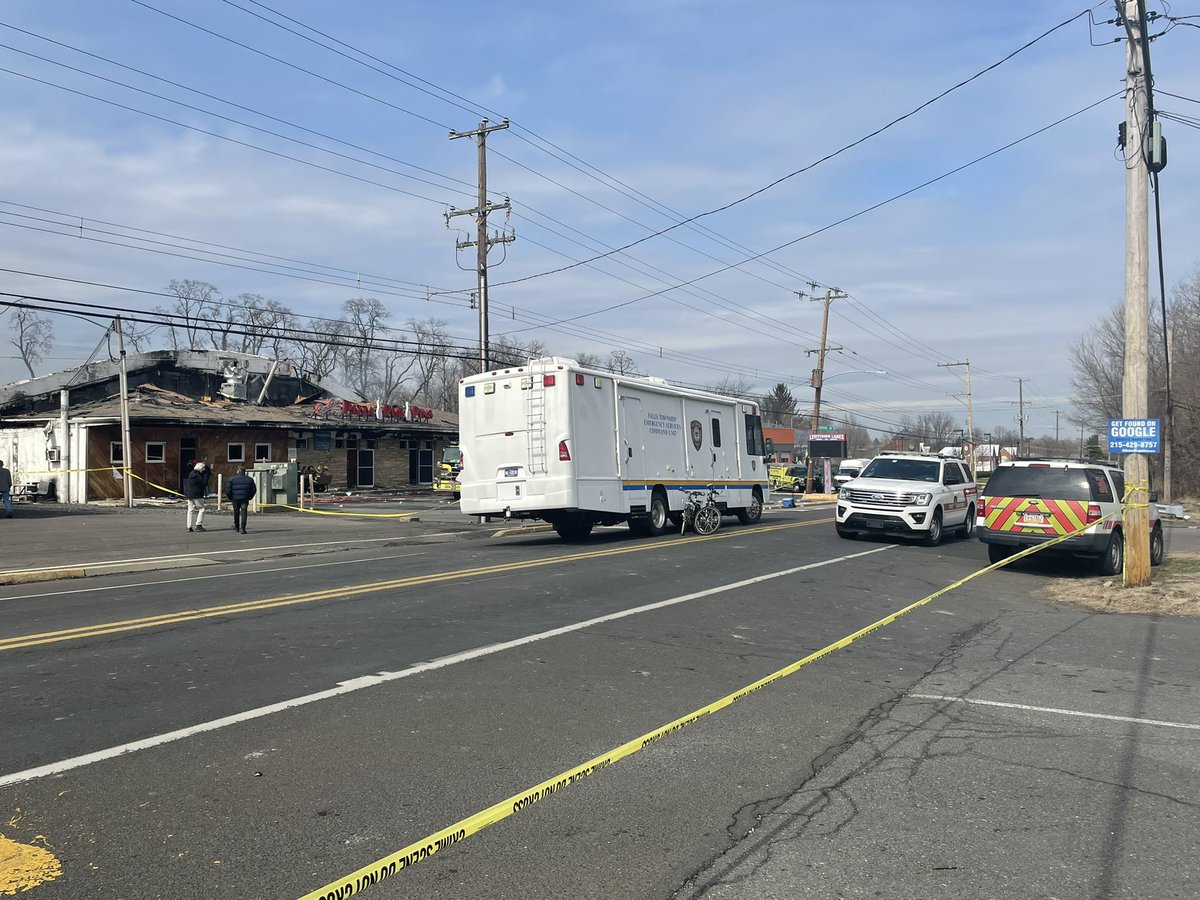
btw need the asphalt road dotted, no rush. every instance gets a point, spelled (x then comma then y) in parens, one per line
(300, 718)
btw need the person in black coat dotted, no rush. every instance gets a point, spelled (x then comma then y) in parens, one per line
(240, 491)
(195, 488)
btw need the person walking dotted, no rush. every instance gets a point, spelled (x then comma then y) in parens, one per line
(6, 490)
(194, 491)
(240, 491)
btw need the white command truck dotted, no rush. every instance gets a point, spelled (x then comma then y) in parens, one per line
(578, 448)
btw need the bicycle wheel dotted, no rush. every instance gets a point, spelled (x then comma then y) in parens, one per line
(708, 519)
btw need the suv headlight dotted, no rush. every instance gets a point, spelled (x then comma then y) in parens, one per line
(843, 493)
(923, 499)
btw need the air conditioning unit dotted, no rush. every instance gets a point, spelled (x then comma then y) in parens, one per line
(53, 454)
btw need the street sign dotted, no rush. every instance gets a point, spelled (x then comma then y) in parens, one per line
(1134, 436)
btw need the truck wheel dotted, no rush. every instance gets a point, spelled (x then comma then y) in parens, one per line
(1157, 548)
(999, 552)
(752, 514)
(933, 536)
(573, 529)
(1113, 559)
(968, 526)
(660, 513)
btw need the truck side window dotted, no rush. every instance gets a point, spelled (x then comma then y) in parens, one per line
(716, 432)
(755, 446)
(952, 475)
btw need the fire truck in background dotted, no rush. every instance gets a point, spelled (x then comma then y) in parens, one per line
(446, 478)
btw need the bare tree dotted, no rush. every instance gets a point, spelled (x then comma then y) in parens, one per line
(33, 336)
(320, 357)
(197, 304)
(732, 386)
(432, 348)
(265, 323)
(621, 363)
(364, 321)
(589, 360)
(938, 429)
(1097, 359)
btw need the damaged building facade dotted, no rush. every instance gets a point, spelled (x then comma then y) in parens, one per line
(61, 434)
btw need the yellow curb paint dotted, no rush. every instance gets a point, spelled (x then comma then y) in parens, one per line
(25, 866)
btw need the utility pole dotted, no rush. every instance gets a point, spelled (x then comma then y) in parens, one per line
(1056, 431)
(482, 242)
(819, 372)
(1021, 416)
(970, 411)
(126, 444)
(1134, 390)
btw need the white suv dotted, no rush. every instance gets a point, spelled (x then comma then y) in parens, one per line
(910, 495)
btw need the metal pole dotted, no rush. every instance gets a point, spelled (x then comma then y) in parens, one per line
(64, 451)
(126, 444)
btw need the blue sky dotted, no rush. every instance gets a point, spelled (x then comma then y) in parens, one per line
(690, 104)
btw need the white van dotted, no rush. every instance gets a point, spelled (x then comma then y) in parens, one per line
(578, 447)
(850, 468)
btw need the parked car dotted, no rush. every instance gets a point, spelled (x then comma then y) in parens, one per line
(1029, 502)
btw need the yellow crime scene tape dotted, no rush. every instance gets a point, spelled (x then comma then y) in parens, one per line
(417, 851)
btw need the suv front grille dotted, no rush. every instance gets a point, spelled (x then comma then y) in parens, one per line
(882, 499)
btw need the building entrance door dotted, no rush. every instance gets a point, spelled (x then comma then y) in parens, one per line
(366, 469)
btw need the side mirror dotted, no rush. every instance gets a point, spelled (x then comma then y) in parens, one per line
(1154, 496)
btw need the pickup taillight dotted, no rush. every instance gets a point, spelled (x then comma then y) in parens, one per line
(1093, 513)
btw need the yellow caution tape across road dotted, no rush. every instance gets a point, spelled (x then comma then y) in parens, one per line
(413, 853)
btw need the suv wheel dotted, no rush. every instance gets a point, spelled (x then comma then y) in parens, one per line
(999, 552)
(968, 526)
(1114, 556)
(1157, 547)
(933, 536)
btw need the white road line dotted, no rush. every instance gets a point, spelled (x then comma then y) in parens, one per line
(201, 552)
(1056, 711)
(238, 574)
(365, 681)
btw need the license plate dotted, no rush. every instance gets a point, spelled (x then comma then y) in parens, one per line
(510, 471)
(1033, 518)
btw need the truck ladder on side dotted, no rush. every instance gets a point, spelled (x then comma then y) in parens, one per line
(536, 422)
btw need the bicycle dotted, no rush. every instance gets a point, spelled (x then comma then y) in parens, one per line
(700, 512)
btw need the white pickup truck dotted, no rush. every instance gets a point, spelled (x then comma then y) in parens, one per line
(910, 495)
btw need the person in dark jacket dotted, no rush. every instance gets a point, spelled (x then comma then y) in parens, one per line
(6, 490)
(194, 490)
(240, 491)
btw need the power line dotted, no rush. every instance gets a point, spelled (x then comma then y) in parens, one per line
(847, 218)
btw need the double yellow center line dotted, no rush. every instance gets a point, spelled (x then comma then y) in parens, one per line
(340, 593)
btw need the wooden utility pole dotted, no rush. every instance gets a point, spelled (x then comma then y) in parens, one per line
(972, 461)
(819, 374)
(126, 444)
(482, 242)
(1021, 416)
(1135, 390)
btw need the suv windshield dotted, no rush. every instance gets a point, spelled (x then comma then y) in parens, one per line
(903, 469)
(1049, 481)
